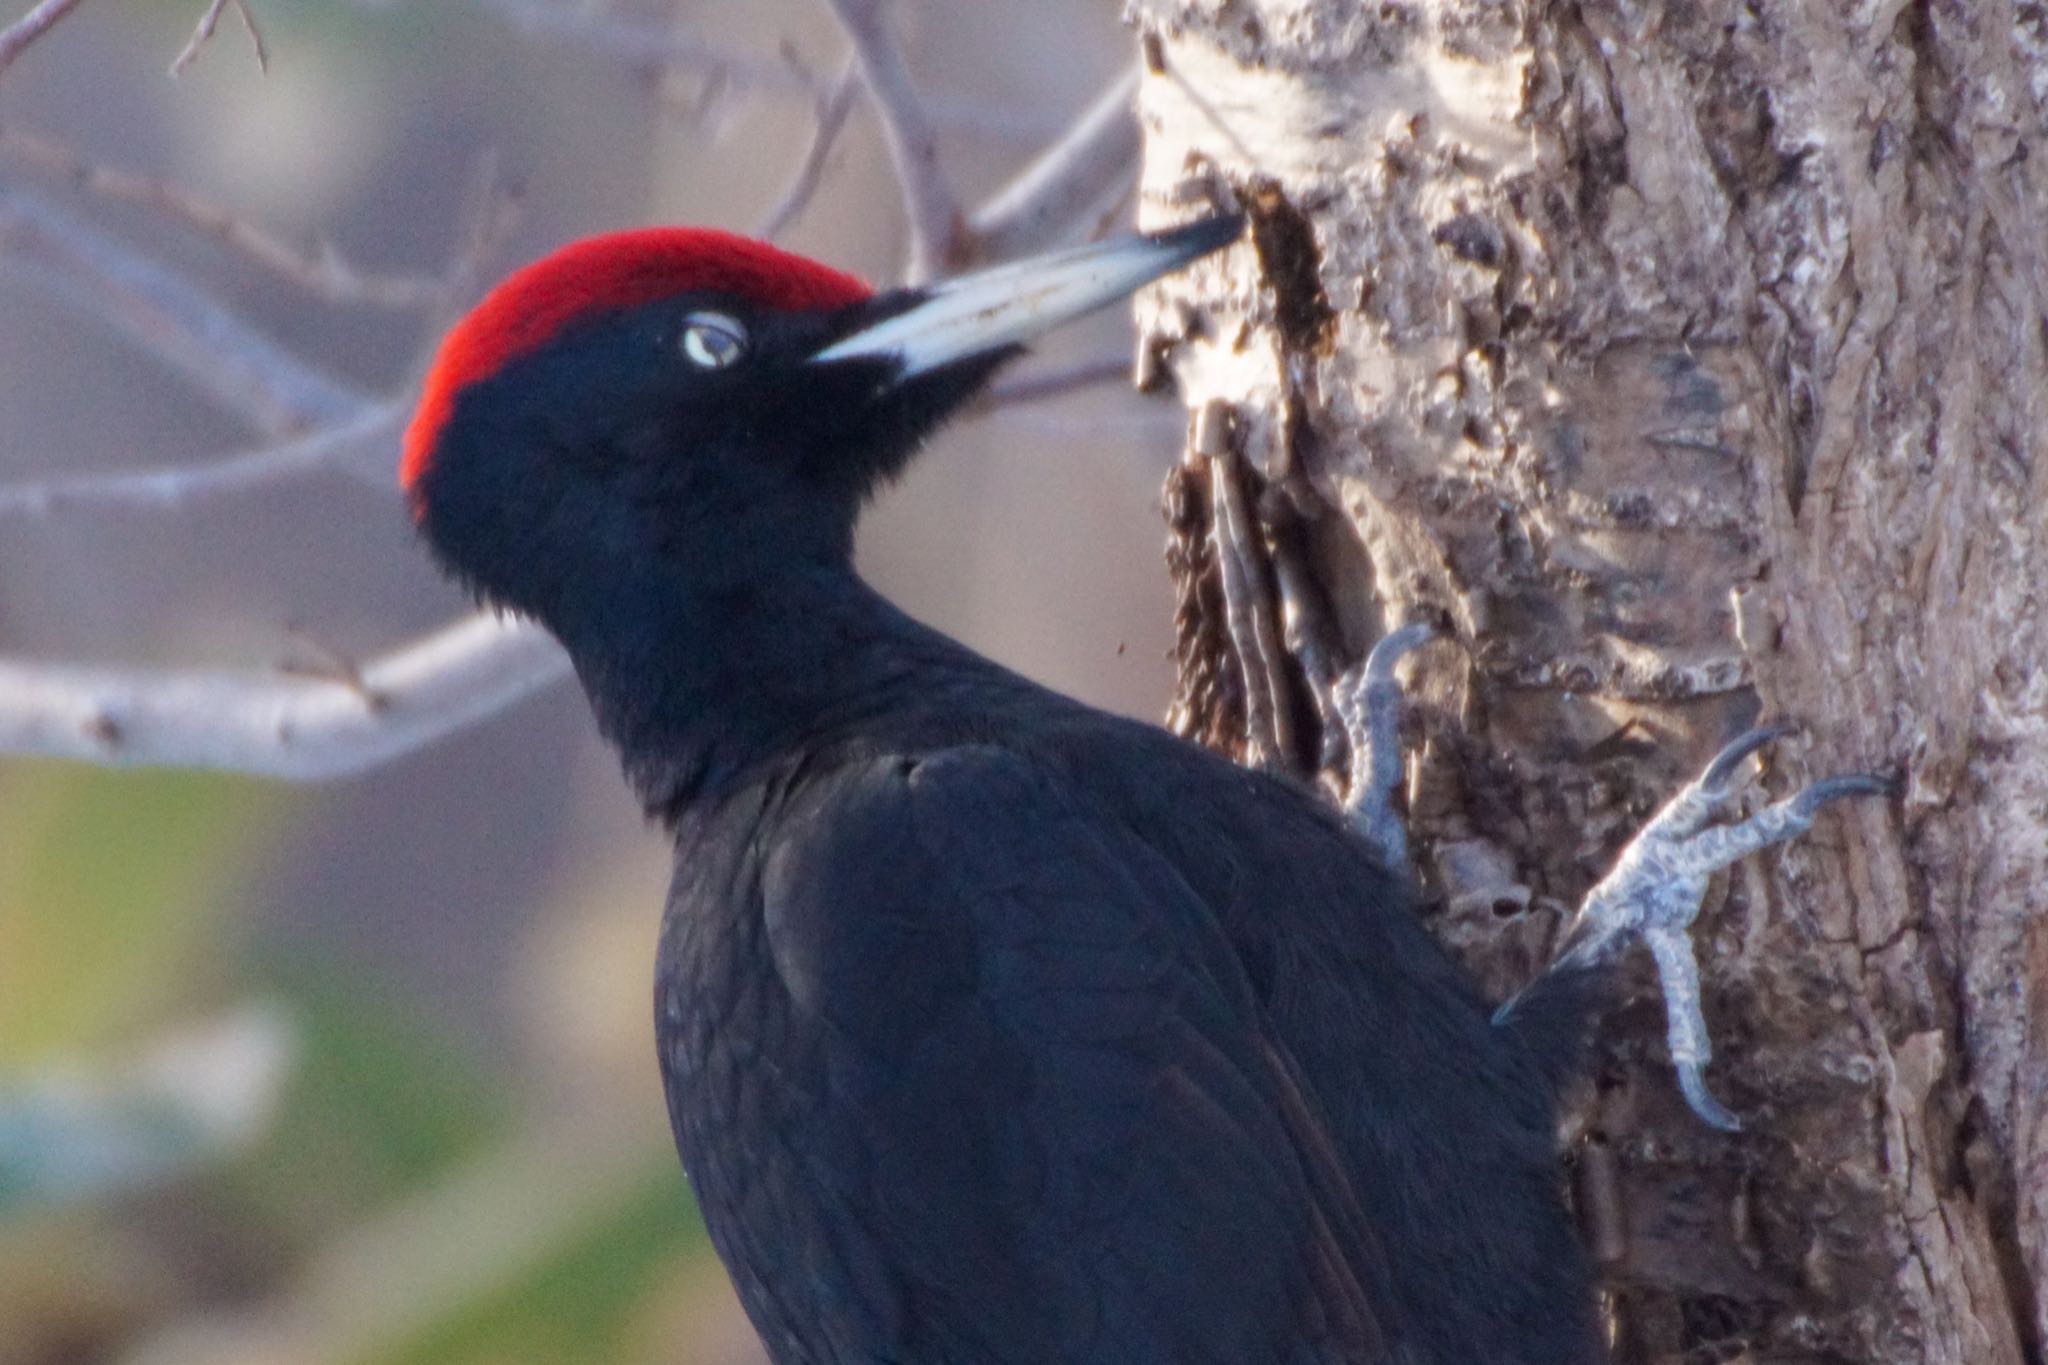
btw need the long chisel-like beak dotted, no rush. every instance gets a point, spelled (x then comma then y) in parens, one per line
(1006, 305)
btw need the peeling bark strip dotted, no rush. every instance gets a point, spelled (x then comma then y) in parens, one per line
(1691, 361)
(1208, 706)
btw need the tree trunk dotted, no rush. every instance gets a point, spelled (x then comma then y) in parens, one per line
(1686, 362)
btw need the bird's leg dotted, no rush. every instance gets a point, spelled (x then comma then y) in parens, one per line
(1658, 883)
(1368, 700)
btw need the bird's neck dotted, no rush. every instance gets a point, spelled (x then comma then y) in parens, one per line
(699, 686)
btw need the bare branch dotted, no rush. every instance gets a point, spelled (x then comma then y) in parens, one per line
(484, 217)
(297, 729)
(323, 272)
(649, 43)
(219, 351)
(1069, 187)
(208, 22)
(359, 445)
(16, 37)
(354, 446)
(833, 107)
(936, 225)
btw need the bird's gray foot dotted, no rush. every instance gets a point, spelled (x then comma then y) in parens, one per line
(1369, 703)
(1658, 883)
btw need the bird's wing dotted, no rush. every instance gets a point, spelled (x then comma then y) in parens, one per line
(1070, 1135)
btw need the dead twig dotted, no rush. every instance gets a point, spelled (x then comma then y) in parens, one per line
(360, 445)
(832, 109)
(937, 228)
(322, 660)
(15, 38)
(203, 33)
(484, 218)
(649, 43)
(323, 272)
(217, 350)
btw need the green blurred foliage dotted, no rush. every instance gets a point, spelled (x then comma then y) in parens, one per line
(381, 1101)
(114, 887)
(580, 1304)
(117, 900)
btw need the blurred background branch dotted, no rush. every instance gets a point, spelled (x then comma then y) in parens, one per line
(647, 42)
(930, 207)
(1070, 189)
(184, 324)
(360, 442)
(322, 271)
(296, 728)
(833, 105)
(203, 34)
(16, 37)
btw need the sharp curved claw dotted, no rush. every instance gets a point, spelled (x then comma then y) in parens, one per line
(1692, 1083)
(1725, 764)
(1394, 647)
(1655, 889)
(1836, 788)
(1369, 702)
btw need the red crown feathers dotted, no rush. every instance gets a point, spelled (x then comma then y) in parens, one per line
(618, 270)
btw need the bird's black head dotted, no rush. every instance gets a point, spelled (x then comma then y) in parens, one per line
(699, 406)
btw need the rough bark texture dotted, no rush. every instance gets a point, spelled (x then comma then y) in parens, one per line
(1687, 361)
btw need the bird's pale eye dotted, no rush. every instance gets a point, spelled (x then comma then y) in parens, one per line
(712, 341)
